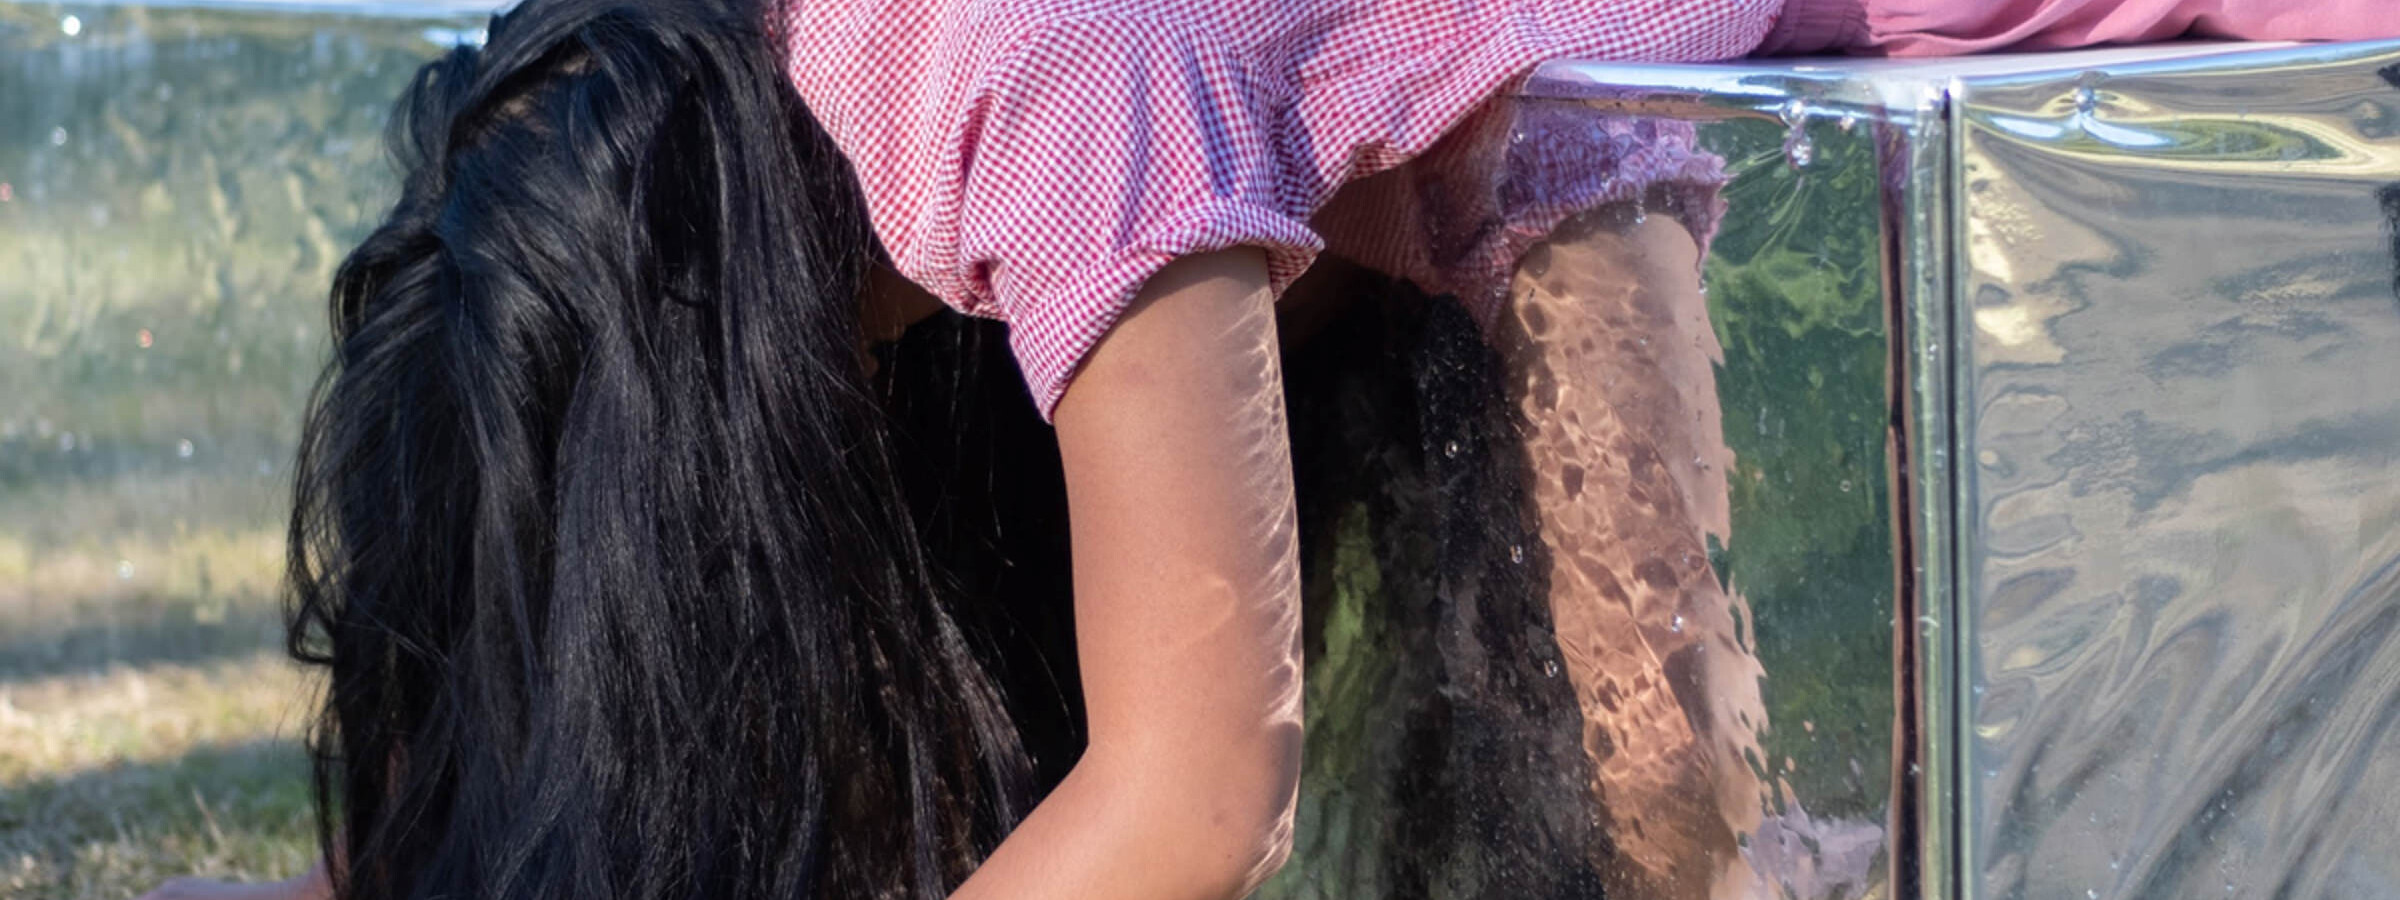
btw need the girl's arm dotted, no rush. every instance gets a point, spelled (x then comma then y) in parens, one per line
(1187, 612)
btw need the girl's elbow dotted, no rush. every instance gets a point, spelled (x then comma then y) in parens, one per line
(1223, 816)
(1265, 826)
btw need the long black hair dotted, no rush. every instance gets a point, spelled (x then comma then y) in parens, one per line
(597, 526)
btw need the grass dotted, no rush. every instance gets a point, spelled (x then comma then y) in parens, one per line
(149, 724)
(185, 183)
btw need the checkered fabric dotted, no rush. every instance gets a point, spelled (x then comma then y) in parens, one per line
(1037, 160)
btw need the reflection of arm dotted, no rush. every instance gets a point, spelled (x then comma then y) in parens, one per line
(1457, 219)
(1186, 605)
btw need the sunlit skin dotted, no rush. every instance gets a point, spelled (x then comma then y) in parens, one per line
(1611, 364)
(1186, 605)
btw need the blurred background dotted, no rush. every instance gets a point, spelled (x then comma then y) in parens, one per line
(176, 186)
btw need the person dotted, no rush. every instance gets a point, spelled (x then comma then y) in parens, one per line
(599, 528)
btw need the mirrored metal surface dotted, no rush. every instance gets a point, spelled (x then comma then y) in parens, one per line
(2145, 309)
(2181, 397)
(1679, 681)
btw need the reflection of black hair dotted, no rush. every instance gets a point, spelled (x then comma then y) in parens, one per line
(986, 488)
(597, 526)
(2390, 194)
(2390, 197)
(1443, 733)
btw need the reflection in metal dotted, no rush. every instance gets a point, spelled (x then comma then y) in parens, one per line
(1696, 443)
(2140, 316)
(2182, 399)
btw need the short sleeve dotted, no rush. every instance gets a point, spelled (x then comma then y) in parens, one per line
(1038, 162)
(1106, 150)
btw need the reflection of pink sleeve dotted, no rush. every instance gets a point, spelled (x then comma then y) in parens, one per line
(1455, 219)
(1945, 27)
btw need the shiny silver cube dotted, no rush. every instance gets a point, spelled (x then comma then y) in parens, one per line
(2144, 444)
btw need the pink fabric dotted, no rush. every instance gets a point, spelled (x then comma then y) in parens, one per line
(1949, 27)
(1037, 160)
(1456, 219)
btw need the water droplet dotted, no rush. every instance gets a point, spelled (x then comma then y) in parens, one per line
(1550, 668)
(2090, 894)
(1848, 122)
(1979, 690)
(58, 136)
(183, 449)
(124, 570)
(2086, 100)
(1516, 553)
(1450, 450)
(1800, 150)
(1845, 485)
(70, 26)
(1794, 111)
(1642, 341)
(1676, 625)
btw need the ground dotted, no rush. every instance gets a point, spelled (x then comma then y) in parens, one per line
(150, 725)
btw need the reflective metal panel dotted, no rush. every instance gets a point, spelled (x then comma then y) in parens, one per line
(2147, 517)
(2180, 393)
(1609, 601)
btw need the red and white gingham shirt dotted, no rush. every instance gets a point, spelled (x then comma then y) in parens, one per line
(1037, 160)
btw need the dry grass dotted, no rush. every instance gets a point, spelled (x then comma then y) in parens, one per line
(149, 724)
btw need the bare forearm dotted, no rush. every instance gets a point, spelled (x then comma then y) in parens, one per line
(1137, 829)
(1186, 606)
